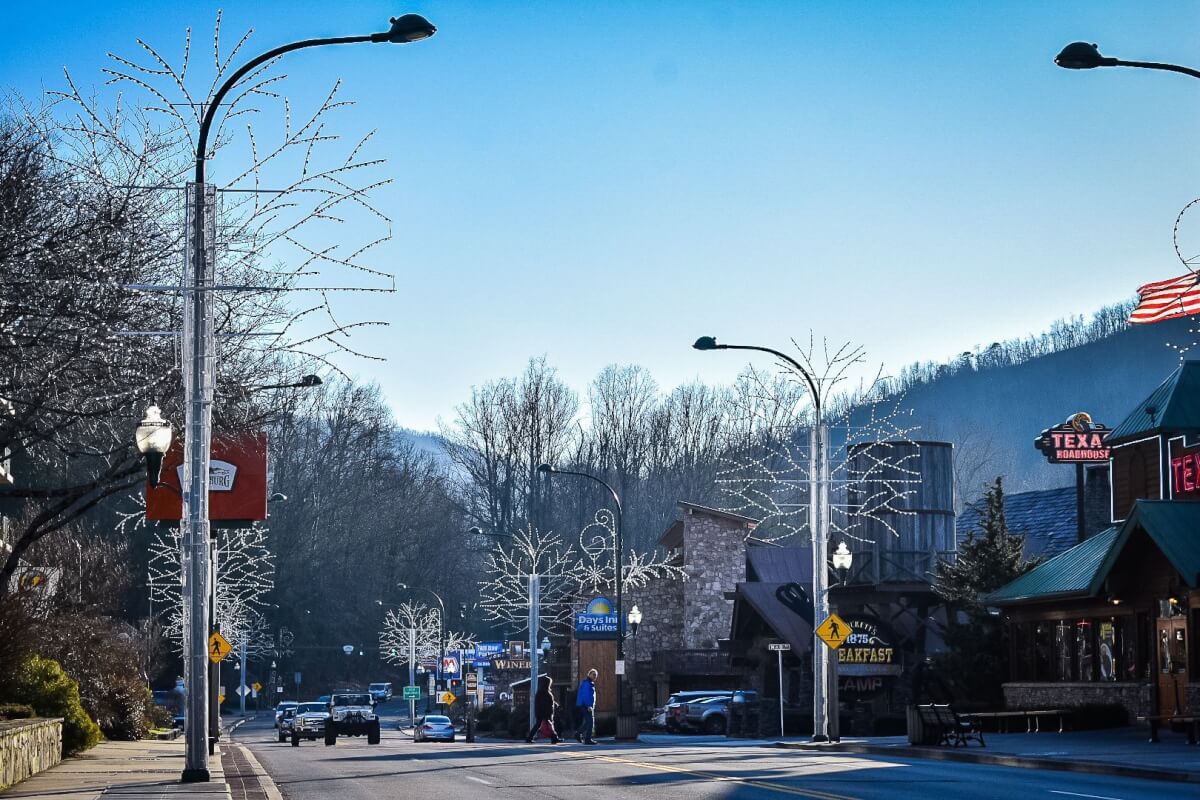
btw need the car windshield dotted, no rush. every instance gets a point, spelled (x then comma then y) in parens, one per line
(310, 708)
(379, 686)
(285, 705)
(352, 700)
(438, 720)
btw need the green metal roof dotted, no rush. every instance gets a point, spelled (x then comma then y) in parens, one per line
(1173, 526)
(1176, 404)
(1069, 573)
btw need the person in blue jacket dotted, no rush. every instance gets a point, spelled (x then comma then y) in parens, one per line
(585, 708)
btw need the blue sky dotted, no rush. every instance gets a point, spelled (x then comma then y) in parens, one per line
(603, 182)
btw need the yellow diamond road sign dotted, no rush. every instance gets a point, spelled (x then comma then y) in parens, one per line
(257, 686)
(447, 698)
(218, 647)
(833, 631)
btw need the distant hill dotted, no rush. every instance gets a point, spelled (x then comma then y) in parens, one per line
(426, 442)
(993, 415)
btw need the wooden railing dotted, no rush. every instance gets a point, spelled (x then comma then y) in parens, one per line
(877, 565)
(692, 662)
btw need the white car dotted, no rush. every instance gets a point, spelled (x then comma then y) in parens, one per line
(279, 709)
(435, 728)
(380, 692)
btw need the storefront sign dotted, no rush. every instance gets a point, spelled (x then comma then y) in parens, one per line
(599, 621)
(1185, 471)
(1079, 440)
(865, 646)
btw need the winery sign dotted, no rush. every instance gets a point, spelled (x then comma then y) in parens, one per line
(1079, 440)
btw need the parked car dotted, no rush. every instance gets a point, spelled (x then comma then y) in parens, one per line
(309, 722)
(279, 709)
(435, 728)
(380, 692)
(711, 715)
(672, 713)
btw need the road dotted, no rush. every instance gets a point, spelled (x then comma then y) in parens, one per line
(353, 770)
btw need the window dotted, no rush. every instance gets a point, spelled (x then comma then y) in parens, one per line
(1065, 666)
(1044, 652)
(1108, 651)
(1085, 650)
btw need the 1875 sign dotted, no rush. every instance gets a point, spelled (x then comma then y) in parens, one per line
(1079, 440)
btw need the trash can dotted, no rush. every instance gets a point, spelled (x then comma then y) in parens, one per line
(627, 728)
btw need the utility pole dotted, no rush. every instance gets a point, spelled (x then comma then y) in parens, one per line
(242, 688)
(412, 678)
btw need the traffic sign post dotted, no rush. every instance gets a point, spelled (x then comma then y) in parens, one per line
(779, 649)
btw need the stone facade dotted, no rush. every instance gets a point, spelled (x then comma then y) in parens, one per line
(27, 747)
(1136, 698)
(714, 560)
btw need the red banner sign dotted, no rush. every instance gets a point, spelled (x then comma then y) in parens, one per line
(237, 481)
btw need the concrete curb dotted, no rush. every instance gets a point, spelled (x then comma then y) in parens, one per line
(999, 760)
(264, 780)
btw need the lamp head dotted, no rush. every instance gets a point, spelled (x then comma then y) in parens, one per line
(707, 343)
(153, 433)
(1081, 55)
(545, 468)
(409, 28)
(635, 616)
(475, 530)
(842, 557)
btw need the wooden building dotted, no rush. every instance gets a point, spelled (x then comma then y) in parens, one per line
(1115, 619)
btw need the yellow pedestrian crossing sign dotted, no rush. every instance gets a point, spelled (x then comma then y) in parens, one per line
(447, 698)
(833, 631)
(257, 686)
(218, 647)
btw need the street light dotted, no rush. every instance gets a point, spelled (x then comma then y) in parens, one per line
(441, 628)
(199, 379)
(618, 574)
(1081, 55)
(635, 619)
(842, 559)
(153, 438)
(824, 660)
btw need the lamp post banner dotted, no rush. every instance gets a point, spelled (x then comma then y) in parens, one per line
(237, 480)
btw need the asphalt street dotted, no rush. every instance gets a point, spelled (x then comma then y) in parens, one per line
(701, 771)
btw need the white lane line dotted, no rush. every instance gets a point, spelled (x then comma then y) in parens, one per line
(1077, 794)
(477, 780)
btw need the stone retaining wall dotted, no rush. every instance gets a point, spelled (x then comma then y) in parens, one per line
(27, 747)
(1136, 698)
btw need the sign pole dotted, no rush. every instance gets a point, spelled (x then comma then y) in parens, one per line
(534, 644)
(779, 657)
(242, 692)
(1080, 528)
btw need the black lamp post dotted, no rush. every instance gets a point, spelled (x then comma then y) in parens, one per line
(619, 572)
(1081, 55)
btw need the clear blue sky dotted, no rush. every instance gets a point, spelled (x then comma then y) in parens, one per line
(603, 182)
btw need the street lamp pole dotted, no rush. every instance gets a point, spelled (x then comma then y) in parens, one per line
(441, 630)
(199, 384)
(1081, 55)
(825, 702)
(619, 572)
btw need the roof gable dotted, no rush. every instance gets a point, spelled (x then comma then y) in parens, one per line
(1176, 404)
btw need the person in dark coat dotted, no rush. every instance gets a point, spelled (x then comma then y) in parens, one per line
(544, 705)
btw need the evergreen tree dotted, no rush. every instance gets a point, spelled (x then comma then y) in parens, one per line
(976, 659)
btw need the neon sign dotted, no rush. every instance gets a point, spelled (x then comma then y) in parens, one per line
(1079, 440)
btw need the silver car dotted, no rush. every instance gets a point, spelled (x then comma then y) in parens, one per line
(308, 722)
(435, 728)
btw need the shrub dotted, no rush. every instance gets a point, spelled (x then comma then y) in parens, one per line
(160, 717)
(42, 684)
(16, 711)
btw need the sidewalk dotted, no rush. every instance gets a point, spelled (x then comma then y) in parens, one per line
(1115, 751)
(130, 769)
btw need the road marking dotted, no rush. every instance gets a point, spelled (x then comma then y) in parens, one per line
(1077, 794)
(774, 787)
(477, 780)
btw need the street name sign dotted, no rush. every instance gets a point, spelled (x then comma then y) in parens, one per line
(779, 647)
(218, 647)
(412, 693)
(833, 631)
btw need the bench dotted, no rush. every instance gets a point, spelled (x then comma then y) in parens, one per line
(1002, 719)
(1034, 717)
(950, 727)
(1190, 721)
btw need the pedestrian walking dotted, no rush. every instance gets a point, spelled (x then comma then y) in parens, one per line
(585, 708)
(543, 712)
